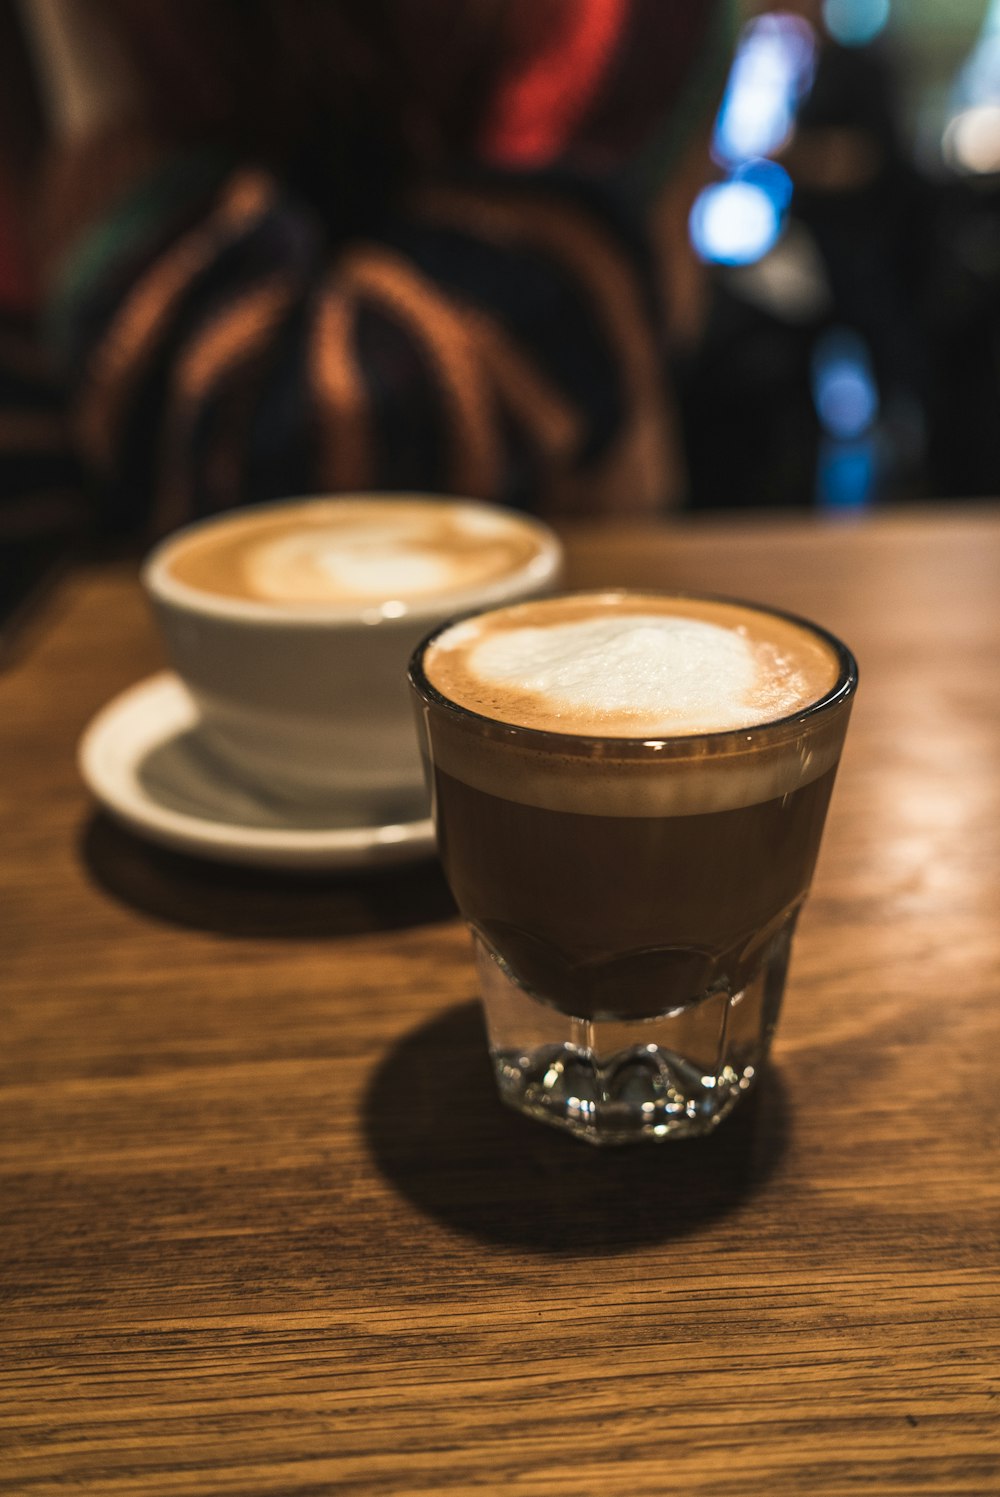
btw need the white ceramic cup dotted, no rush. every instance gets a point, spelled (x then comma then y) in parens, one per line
(306, 702)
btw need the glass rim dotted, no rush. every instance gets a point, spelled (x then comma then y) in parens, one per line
(840, 692)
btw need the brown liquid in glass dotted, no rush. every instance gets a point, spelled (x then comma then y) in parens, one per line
(628, 917)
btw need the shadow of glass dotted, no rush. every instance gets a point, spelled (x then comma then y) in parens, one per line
(236, 901)
(464, 1159)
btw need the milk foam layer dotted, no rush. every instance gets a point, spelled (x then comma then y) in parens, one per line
(354, 552)
(653, 678)
(631, 666)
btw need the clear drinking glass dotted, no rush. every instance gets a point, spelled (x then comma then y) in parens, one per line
(631, 967)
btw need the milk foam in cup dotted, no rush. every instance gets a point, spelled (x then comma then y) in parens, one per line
(291, 624)
(630, 791)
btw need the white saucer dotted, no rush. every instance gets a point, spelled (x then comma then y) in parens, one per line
(142, 758)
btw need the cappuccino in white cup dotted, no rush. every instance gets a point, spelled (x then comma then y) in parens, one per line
(291, 625)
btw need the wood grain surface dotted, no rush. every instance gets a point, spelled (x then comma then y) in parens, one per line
(251, 1243)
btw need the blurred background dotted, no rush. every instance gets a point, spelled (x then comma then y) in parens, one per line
(853, 237)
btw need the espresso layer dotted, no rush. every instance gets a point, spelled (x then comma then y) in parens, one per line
(627, 917)
(642, 715)
(353, 551)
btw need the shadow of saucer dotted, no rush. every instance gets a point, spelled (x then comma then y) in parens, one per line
(239, 901)
(463, 1158)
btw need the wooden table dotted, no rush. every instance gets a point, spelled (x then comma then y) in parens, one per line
(245, 1246)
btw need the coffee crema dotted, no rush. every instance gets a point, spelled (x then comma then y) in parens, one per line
(353, 552)
(632, 669)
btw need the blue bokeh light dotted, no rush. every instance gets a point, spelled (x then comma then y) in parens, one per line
(738, 221)
(773, 69)
(847, 475)
(855, 23)
(843, 384)
(734, 223)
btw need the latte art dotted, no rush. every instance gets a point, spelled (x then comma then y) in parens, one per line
(350, 552)
(636, 666)
(360, 562)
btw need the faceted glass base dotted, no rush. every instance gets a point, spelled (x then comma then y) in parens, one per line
(616, 1081)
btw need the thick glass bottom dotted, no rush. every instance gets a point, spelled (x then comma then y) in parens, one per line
(618, 1081)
